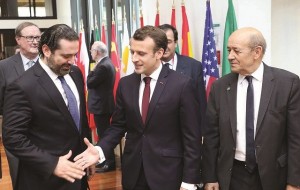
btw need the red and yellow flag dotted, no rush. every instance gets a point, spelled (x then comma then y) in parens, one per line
(186, 48)
(115, 56)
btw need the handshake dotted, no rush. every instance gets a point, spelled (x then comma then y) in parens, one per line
(71, 171)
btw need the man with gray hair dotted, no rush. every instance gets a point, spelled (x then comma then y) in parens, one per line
(100, 83)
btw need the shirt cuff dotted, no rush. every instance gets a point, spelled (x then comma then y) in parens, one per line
(101, 154)
(188, 186)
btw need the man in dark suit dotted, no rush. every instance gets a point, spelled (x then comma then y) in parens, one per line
(27, 36)
(162, 148)
(252, 144)
(184, 65)
(100, 83)
(45, 116)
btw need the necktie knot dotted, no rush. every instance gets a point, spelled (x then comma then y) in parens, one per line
(249, 78)
(62, 79)
(147, 80)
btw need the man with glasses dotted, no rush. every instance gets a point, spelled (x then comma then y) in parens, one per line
(27, 36)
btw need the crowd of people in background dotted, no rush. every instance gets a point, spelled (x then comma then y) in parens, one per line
(246, 136)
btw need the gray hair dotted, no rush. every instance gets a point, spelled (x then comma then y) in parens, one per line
(101, 47)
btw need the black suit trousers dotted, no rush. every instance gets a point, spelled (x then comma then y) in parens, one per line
(242, 179)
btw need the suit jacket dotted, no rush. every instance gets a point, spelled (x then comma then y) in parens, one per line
(38, 128)
(277, 140)
(193, 68)
(168, 145)
(10, 69)
(100, 83)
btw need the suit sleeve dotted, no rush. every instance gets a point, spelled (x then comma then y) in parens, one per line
(2, 89)
(191, 133)
(293, 115)
(17, 114)
(211, 139)
(202, 94)
(97, 76)
(116, 131)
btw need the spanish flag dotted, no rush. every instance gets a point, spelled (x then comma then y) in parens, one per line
(186, 48)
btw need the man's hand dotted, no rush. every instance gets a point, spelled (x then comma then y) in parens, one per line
(89, 157)
(67, 169)
(211, 186)
(290, 187)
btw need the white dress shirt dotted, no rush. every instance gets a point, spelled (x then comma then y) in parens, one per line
(172, 62)
(240, 153)
(58, 84)
(25, 61)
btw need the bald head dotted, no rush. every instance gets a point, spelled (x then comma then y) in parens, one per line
(252, 37)
(246, 48)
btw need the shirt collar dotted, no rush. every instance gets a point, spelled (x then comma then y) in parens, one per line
(155, 74)
(257, 74)
(25, 60)
(51, 74)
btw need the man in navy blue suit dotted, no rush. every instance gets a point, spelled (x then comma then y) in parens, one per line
(184, 65)
(162, 149)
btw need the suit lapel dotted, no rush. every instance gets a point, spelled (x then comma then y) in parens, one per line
(160, 85)
(266, 92)
(18, 64)
(181, 66)
(48, 85)
(231, 91)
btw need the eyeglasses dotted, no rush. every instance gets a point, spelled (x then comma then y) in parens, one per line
(92, 50)
(31, 38)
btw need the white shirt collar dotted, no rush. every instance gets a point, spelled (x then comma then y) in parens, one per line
(155, 74)
(257, 74)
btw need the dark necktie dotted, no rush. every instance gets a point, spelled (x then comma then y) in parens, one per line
(146, 98)
(250, 147)
(72, 102)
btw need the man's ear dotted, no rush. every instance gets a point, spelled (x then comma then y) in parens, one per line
(46, 50)
(159, 53)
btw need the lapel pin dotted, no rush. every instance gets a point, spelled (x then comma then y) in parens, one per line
(228, 88)
(161, 83)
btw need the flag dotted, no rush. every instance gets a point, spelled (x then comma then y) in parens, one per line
(125, 50)
(173, 23)
(141, 19)
(83, 60)
(97, 34)
(83, 64)
(114, 56)
(209, 54)
(157, 14)
(186, 48)
(230, 26)
(91, 120)
(103, 36)
(92, 62)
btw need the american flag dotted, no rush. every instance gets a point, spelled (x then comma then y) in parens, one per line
(209, 54)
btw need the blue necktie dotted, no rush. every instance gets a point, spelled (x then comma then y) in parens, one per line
(72, 102)
(250, 146)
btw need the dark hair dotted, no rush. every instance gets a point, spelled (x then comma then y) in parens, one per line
(21, 26)
(166, 27)
(159, 37)
(54, 34)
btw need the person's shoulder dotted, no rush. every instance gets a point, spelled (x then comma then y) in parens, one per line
(184, 58)
(7, 61)
(281, 73)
